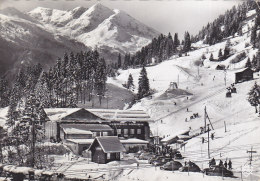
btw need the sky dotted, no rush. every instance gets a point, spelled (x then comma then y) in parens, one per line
(174, 16)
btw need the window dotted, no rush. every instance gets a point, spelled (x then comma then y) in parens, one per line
(94, 134)
(125, 131)
(108, 156)
(132, 131)
(139, 131)
(118, 131)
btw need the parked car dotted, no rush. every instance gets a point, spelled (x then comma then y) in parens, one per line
(178, 155)
(145, 156)
(161, 161)
(191, 167)
(154, 158)
(218, 171)
(172, 165)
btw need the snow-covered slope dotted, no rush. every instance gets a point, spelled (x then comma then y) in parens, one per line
(98, 26)
(208, 89)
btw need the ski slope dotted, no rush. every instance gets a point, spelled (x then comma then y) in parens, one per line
(208, 87)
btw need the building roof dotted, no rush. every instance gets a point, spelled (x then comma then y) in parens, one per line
(76, 131)
(109, 144)
(57, 114)
(241, 70)
(133, 141)
(121, 115)
(176, 135)
(81, 141)
(88, 127)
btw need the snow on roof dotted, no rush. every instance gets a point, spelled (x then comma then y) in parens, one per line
(3, 116)
(88, 127)
(14, 169)
(56, 114)
(81, 141)
(134, 141)
(174, 136)
(121, 115)
(109, 144)
(76, 131)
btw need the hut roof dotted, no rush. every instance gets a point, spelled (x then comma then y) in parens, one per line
(109, 144)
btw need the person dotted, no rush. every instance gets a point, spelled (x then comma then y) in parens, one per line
(203, 140)
(220, 163)
(186, 120)
(212, 136)
(187, 109)
(214, 78)
(229, 164)
(225, 164)
(212, 162)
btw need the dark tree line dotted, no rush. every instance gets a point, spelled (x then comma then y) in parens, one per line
(225, 25)
(159, 49)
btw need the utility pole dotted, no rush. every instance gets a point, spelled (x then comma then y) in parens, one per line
(208, 142)
(205, 119)
(225, 79)
(251, 155)
(206, 116)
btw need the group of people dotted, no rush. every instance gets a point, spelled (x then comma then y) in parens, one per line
(227, 165)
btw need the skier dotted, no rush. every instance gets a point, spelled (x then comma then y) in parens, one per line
(214, 78)
(203, 140)
(187, 109)
(225, 164)
(229, 164)
(220, 163)
(186, 120)
(212, 136)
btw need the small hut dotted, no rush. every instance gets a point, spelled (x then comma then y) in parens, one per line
(105, 149)
(244, 75)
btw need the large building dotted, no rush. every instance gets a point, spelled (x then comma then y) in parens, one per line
(77, 127)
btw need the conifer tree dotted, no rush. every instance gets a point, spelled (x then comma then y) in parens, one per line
(176, 40)
(253, 96)
(211, 58)
(253, 36)
(254, 62)
(187, 42)
(143, 84)
(248, 64)
(220, 54)
(130, 82)
(227, 49)
(119, 61)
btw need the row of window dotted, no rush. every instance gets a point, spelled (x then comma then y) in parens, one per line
(126, 131)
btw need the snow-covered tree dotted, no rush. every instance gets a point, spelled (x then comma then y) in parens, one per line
(254, 95)
(143, 84)
(130, 82)
(227, 49)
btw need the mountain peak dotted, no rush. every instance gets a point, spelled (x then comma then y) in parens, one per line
(78, 11)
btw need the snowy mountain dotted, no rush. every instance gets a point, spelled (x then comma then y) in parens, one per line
(24, 41)
(111, 31)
